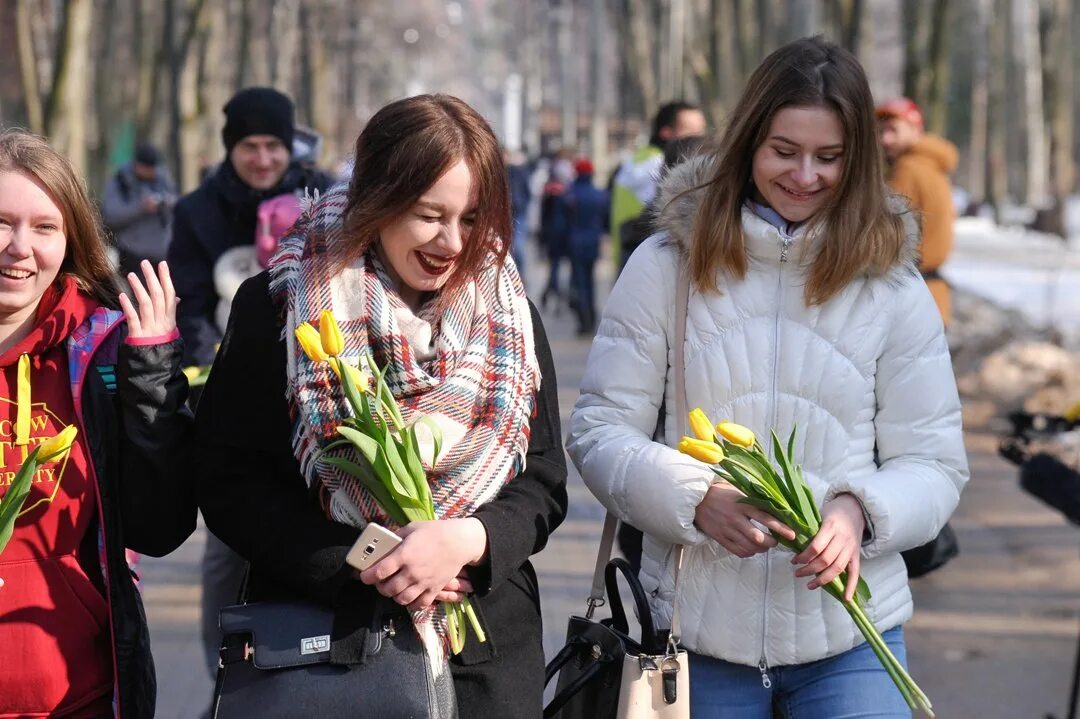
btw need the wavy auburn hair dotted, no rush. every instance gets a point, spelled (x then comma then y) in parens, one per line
(85, 258)
(858, 233)
(404, 149)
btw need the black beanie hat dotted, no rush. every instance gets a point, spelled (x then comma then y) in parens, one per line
(258, 111)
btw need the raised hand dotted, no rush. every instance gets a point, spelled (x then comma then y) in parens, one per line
(157, 300)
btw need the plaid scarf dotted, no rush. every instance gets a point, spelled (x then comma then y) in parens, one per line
(476, 377)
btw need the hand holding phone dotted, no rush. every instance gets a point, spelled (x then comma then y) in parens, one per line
(373, 544)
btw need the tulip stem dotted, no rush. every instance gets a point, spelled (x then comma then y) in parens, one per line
(474, 621)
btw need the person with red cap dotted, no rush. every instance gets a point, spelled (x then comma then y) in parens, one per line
(586, 209)
(919, 167)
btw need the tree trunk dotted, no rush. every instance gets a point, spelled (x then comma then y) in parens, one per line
(746, 37)
(107, 101)
(598, 127)
(980, 96)
(914, 42)
(243, 42)
(28, 67)
(937, 80)
(641, 43)
(1063, 91)
(997, 180)
(1027, 21)
(68, 107)
(320, 114)
(567, 76)
(708, 56)
(183, 106)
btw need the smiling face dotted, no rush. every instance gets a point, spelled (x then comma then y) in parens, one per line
(32, 245)
(260, 161)
(800, 162)
(420, 246)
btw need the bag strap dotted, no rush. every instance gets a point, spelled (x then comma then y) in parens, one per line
(607, 537)
(682, 302)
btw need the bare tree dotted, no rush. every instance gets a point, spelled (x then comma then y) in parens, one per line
(997, 180)
(980, 100)
(933, 94)
(68, 104)
(1029, 57)
(28, 66)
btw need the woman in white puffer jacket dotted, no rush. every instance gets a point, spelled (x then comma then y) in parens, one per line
(806, 309)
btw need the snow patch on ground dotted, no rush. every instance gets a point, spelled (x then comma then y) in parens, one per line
(1034, 273)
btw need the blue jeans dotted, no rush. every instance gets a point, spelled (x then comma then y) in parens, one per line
(847, 686)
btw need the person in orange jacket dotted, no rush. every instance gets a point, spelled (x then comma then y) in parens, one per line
(919, 167)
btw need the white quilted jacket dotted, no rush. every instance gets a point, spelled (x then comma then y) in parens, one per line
(867, 371)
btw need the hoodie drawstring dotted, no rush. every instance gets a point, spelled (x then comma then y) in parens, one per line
(22, 402)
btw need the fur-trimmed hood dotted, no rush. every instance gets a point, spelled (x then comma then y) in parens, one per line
(682, 190)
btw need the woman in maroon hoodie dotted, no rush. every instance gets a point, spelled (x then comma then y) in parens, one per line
(73, 636)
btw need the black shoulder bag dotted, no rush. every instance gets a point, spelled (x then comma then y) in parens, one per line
(275, 662)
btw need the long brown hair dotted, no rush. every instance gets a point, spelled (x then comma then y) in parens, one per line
(404, 149)
(84, 259)
(859, 234)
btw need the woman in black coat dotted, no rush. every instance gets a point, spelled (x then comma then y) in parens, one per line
(410, 259)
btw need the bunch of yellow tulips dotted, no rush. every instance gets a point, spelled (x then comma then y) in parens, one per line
(386, 449)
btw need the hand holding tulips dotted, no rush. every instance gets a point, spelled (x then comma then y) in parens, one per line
(826, 541)
(722, 516)
(835, 547)
(429, 565)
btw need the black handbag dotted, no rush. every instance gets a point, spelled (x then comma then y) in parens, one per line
(275, 662)
(594, 665)
(932, 555)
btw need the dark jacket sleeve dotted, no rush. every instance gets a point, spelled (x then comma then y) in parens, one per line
(192, 271)
(251, 491)
(530, 507)
(157, 483)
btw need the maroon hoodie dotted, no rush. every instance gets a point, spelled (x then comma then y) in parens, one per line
(54, 623)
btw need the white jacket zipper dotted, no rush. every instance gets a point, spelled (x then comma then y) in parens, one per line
(785, 246)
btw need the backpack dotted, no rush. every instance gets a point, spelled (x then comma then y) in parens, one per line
(275, 217)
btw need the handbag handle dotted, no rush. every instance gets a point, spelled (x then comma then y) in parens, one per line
(649, 641)
(607, 537)
(606, 648)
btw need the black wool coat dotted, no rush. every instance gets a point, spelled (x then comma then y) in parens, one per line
(139, 437)
(255, 499)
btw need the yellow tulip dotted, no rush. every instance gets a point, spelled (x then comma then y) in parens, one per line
(736, 434)
(360, 379)
(54, 448)
(701, 450)
(1072, 414)
(333, 343)
(308, 337)
(701, 425)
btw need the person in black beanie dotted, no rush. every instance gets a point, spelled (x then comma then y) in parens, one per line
(221, 213)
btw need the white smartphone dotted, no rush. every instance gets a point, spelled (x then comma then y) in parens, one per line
(373, 544)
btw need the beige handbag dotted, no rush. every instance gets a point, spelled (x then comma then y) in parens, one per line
(658, 687)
